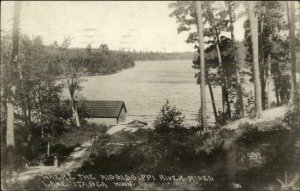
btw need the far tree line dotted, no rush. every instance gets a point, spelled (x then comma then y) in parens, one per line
(152, 56)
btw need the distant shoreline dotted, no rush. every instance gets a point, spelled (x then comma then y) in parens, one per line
(92, 75)
(118, 71)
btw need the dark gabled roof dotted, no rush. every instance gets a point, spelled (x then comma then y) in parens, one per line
(103, 109)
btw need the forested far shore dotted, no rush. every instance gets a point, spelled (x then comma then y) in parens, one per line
(40, 61)
(153, 56)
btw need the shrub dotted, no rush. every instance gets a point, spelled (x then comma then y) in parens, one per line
(169, 119)
(292, 119)
(249, 106)
(97, 149)
(199, 118)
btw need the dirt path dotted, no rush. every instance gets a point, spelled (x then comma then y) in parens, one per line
(74, 161)
(267, 115)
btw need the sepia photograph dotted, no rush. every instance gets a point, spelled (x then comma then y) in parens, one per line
(150, 95)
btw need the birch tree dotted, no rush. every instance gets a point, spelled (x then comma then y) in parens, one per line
(254, 39)
(291, 10)
(10, 138)
(71, 70)
(202, 65)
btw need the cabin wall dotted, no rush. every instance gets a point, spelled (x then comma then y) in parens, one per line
(122, 116)
(103, 121)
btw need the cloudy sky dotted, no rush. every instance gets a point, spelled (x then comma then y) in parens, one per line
(143, 25)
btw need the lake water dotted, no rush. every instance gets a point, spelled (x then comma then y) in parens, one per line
(147, 86)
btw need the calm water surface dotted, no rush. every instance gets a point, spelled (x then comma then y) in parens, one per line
(147, 86)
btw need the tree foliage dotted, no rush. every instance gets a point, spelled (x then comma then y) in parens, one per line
(272, 23)
(39, 100)
(220, 57)
(291, 119)
(169, 119)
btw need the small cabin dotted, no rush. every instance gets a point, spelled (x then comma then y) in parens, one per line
(105, 112)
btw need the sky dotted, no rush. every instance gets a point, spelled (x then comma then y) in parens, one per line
(140, 26)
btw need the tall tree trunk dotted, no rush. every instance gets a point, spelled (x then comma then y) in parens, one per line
(27, 102)
(239, 86)
(277, 94)
(202, 65)
(262, 61)
(240, 94)
(276, 82)
(71, 88)
(254, 39)
(213, 102)
(48, 145)
(29, 109)
(225, 96)
(224, 106)
(10, 137)
(73, 103)
(293, 50)
(75, 115)
(268, 81)
(23, 95)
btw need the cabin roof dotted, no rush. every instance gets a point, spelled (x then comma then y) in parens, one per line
(103, 109)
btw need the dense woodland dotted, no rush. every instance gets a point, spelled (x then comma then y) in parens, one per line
(29, 71)
(255, 156)
(47, 59)
(273, 23)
